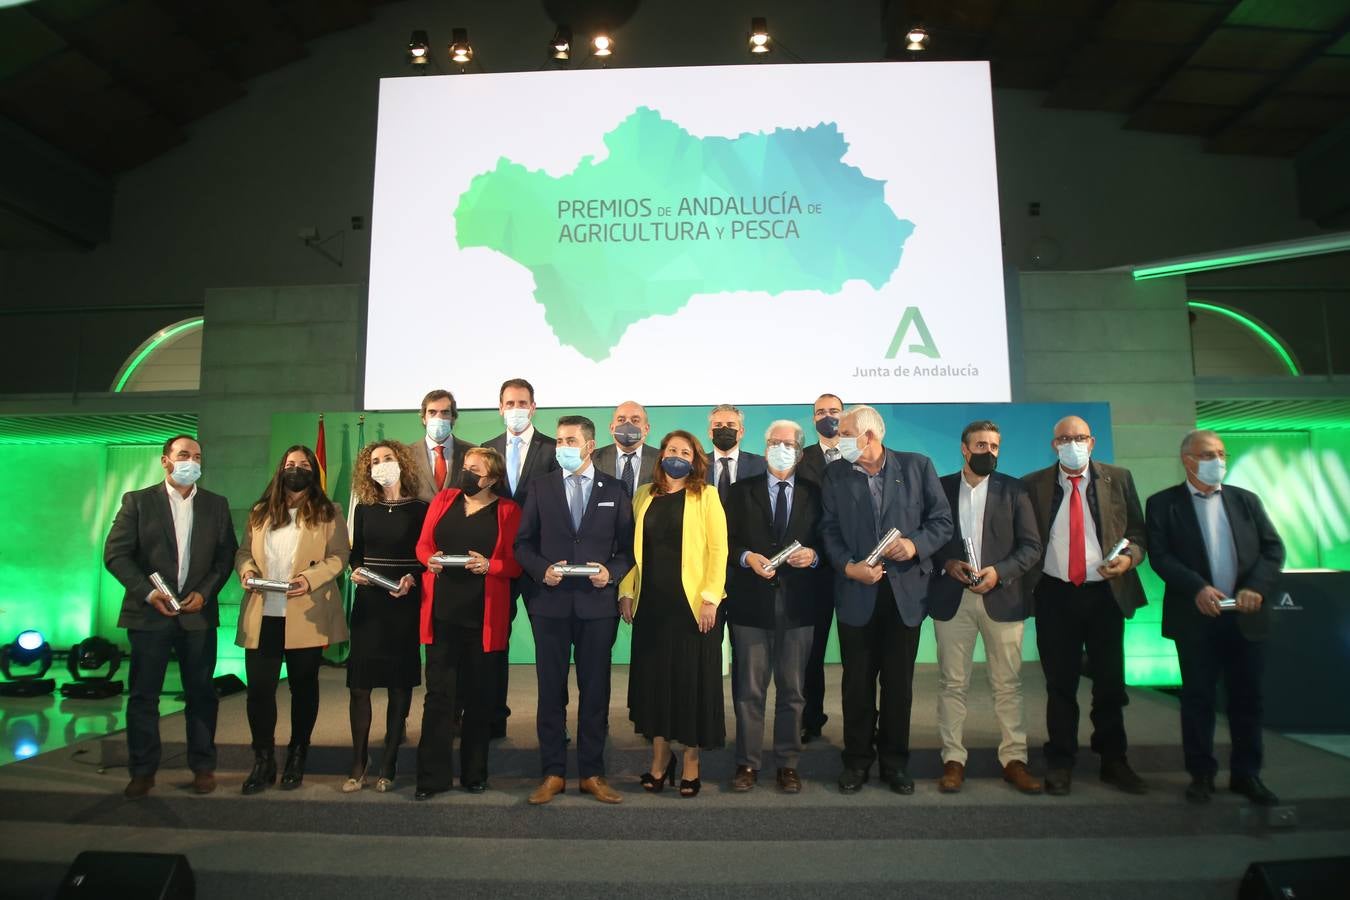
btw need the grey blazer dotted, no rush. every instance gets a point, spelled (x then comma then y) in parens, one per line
(606, 459)
(426, 482)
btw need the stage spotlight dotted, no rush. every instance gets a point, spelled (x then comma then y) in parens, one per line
(419, 48)
(603, 44)
(86, 657)
(760, 42)
(917, 39)
(461, 51)
(560, 48)
(29, 648)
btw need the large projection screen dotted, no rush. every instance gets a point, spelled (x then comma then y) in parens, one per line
(745, 234)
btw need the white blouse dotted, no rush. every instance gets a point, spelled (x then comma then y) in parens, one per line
(280, 546)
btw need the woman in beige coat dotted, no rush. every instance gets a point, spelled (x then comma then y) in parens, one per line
(295, 535)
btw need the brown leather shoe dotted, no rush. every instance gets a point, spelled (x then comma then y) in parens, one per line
(138, 786)
(599, 788)
(789, 782)
(203, 782)
(1019, 776)
(744, 779)
(953, 776)
(550, 787)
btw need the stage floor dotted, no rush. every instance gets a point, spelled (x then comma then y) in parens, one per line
(987, 841)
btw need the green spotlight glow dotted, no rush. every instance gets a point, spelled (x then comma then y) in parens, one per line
(151, 346)
(1255, 327)
(1335, 243)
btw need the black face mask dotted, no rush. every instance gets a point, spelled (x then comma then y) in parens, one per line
(827, 426)
(468, 483)
(983, 463)
(627, 435)
(297, 480)
(724, 438)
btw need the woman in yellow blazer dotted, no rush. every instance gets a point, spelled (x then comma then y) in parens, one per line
(296, 535)
(680, 555)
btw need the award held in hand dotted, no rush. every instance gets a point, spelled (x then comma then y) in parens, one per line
(971, 561)
(886, 540)
(269, 585)
(1118, 549)
(163, 587)
(782, 555)
(377, 580)
(451, 560)
(569, 569)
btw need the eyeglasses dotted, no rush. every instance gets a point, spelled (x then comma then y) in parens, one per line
(1072, 439)
(1209, 454)
(791, 445)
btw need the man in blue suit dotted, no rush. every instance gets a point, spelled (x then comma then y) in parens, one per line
(728, 463)
(574, 515)
(880, 607)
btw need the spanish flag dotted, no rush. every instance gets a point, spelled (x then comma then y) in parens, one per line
(321, 453)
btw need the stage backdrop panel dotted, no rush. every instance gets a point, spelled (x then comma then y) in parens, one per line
(653, 231)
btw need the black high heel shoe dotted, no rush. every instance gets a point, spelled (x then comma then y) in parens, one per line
(690, 788)
(656, 784)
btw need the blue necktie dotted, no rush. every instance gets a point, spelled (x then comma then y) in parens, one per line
(780, 513)
(577, 502)
(629, 476)
(513, 463)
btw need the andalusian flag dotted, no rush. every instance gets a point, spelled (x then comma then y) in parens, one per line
(321, 453)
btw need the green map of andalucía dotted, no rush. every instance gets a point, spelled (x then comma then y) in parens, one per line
(666, 216)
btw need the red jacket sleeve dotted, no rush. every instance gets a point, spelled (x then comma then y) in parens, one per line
(503, 561)
(426, 543)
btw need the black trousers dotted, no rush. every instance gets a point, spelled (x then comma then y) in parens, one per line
(1070, 620)
(262, 668)
(1219, 649)
(813, 687)
(457, 666)
(196, 652)
(882, 651)
(554, 639)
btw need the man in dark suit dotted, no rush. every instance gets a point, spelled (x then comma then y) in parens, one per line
(442, 456)
(629, 458)
(529, 454)
(1083, 510)
(982, 597)
(1207, 543)
(880, 606)
(574, 515)
(729, 463)
(184, 533)
(826, 412)
(770, 610)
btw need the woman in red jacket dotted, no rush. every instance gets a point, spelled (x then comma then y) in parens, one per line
(465, 614)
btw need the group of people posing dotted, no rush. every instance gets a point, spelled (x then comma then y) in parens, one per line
(683, 544)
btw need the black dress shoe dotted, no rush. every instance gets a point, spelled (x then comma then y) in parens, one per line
(899, 782)
(852, 780)
(476, 787)
(498, 731)
(1251, 787)
(424, 794)
(1201, 789)
(1118, 774)
(809, 733)
(1058, 782)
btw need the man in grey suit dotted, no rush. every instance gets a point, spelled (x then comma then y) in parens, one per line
(630, 458)
(982, 598)
(185, 534)
(728, 462)
(442, 456)
(1083, 509)
(880, 606)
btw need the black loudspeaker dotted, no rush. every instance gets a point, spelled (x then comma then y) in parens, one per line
(1296, 879)
(134, 876)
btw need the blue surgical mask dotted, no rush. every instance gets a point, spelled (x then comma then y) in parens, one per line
(569, 458)
(848, 448)
(186, 472)
(781, 458)
(439, 429)
(1211, 471)
(627, 435)
(517, 420)
(1074, 455)
(676, 466)
(827, 426)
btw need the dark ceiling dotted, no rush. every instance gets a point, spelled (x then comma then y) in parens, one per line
(114, 82)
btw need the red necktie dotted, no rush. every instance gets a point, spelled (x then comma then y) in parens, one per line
(1077, 545)
(440, 474)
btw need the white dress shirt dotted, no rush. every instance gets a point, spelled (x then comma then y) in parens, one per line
(280, 545)
(970, 507)
(734, 455)
(449, 445)
(1057, 554)
(1218, 536)
(587, 476)
(526, 438)
(181, 509)
(620, 453)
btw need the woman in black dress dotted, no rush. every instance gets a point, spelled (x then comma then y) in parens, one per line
(384, 651)
(680, 550)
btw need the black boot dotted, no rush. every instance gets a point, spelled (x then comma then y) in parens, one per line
(295, 766)
(264, 773)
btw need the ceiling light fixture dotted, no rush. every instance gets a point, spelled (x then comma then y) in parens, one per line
(917, 39)
(603, 43)
(419, 48)
(461, 51)
(560, 48)
(760, 42)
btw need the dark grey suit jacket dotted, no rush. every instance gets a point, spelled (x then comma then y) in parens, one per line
(1009, 543)
(606, 459)
(748, 465)
(812, 466)
(427, 487)
(142, 541)
(540, 459)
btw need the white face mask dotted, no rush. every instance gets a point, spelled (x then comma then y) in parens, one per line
(848, 449)
(517, 420)
(385, 474)
(438, 429)
(1074, 455)
(781, 458)
(186, 472)
(1211, 471)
